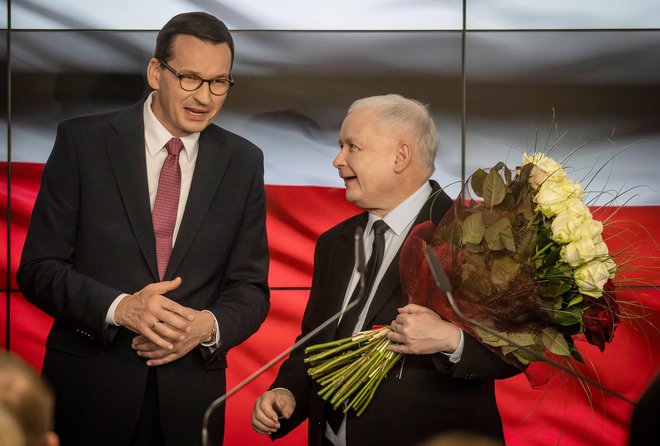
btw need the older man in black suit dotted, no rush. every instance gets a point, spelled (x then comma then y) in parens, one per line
(148, 247)
(387, 152)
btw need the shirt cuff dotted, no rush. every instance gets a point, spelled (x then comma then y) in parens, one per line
(456, 356)
(110, 315)
(285, 389)
(215, 342)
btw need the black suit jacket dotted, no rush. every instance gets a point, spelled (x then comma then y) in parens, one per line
(91, 239)
(432, 396)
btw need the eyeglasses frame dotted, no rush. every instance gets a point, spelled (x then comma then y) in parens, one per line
(178, 75)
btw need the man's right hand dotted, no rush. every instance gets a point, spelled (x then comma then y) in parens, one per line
(269, 407)
(142, 311)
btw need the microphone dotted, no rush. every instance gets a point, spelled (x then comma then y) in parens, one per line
(443, 284)
(361, 269)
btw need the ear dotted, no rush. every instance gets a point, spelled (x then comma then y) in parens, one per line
(153, 73)
(403, 157)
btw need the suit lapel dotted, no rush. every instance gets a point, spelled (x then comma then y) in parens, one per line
(210, 167)
(342, 266)
(126, 153)
(435, 207)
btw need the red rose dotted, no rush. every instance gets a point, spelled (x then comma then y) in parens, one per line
(599, 318)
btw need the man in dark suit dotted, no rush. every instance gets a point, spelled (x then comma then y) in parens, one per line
(387, 151)
(147, 245)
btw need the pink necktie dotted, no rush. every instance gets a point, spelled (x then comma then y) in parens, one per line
(167, 204)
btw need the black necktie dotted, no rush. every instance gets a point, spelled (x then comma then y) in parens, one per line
(349, 320)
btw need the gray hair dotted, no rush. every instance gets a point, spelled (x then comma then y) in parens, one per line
(394, 108)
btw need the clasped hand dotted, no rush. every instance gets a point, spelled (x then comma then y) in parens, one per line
(167, 330)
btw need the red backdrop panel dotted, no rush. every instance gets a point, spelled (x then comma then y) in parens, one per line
(564, 413)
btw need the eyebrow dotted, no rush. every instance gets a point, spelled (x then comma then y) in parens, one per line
(196, 73)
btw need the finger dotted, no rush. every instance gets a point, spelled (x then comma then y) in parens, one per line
(263, 426)
(264, 418)
(165, 330)
(285, 405)
(164, 360)
(153, 354)
(399, 348)
(165, 285)
(145, 346)
(396, 337)
(140, 340)
(176, 315)
(154, 337)
(279, 406)
(412, 308)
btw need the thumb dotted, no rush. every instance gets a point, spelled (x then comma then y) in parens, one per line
(283, 408)
(167, 285)
(412, 308)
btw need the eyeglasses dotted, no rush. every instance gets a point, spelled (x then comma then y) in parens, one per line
(191, 82)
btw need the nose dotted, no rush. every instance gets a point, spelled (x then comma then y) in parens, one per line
(340, 159)
(203, 93)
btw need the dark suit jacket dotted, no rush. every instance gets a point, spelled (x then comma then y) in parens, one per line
(91, 239)
(432, 396)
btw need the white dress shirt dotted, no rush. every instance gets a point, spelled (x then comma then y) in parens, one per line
(155, 138)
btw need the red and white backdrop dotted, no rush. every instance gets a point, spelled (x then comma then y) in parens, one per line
(298, 67)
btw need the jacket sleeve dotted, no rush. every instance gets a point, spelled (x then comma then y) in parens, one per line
(46, 275)
(293, 372)
(243, 302)
(477, 361)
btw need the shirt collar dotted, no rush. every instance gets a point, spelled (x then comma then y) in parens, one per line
(405, 213)
(156, 135)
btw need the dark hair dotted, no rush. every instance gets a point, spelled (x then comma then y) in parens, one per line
(197, 24)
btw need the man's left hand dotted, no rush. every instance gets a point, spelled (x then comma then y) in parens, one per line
(201, 327)
(419, 330)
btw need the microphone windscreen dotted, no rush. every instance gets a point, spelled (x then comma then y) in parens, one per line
(438, 272)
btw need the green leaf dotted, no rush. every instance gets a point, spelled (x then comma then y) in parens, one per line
(477, 182)
(502, 271)
(450, 234)
(553, 288)
(499, 235)
(494, 189)
(576, 300)
(508, 203)
(559, 302)
(473, 229)
(555, 342)
(566, 318)
(574, 351)
(507, 175)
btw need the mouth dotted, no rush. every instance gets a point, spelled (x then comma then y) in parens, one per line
(348, 179)
(196, 114)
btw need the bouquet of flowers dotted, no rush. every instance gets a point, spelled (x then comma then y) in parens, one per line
(525, 258)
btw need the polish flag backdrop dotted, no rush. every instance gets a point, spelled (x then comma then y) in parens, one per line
(298, 66)
(565, 412)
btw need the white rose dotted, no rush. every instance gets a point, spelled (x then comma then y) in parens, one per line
(544, 167)
(591, 278)
(610, 265)
(556, 194)
(577, 208)
(602, 250)
(567, 227)
(578, 252)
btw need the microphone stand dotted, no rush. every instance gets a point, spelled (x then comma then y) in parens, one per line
(443, 284)
(361, 268)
